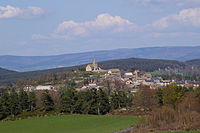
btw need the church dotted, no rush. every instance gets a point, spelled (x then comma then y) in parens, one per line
(93, 67)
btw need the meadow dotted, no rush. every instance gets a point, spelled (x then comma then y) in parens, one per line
(69, 124)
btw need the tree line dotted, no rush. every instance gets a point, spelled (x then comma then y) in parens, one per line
(13, 102)
(66, 100)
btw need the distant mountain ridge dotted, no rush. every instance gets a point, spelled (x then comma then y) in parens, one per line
(31, 63)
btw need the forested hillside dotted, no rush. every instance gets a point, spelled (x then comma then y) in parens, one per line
(194, 62)
(148, 65)
(8, 78)
(5, 71)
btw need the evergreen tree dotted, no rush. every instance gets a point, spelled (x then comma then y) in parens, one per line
(14, 103)
(23, 100)
(32, 101)
(92, 101)
(81, 106)
(84, 102)
(5, 105)
(48, 102)
(121, 99)
(115, 100)
(68, 100)
(103, 105)
(2, 111)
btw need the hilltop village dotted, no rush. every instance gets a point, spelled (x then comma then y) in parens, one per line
(96, 77)
(92, 90)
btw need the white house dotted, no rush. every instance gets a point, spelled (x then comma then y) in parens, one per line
(40, 87)
(28, 88)
(128, 75)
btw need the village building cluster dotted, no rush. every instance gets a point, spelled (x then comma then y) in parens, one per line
(132, 80)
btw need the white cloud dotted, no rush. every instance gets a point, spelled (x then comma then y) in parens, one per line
(39, 36)
(103, 22)
(188, 17)
(173, 34)
(35, 11)
(162, 35)
(188, 3)
(9, 12)
(15, 12)
(180, 3)
(106, 24)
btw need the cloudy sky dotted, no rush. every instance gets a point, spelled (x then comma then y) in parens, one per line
(47, 27)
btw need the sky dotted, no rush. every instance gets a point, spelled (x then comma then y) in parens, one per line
(49, 27)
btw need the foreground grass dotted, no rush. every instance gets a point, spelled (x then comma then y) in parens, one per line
(69, 124)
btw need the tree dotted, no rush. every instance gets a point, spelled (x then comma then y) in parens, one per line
(146, 98)
(172, 94)
(2, 114)
(23, 100)
(14, 103)
(160, 96)
(48, 102)
(103, 105)
(121, 99)
(71, 84)
(115, 100)
(5, 105)
(84, 102)
(68, 100)
(32, 101)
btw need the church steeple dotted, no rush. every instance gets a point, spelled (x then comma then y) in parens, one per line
(95, 65)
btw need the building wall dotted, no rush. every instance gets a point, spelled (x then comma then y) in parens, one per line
(88, 68)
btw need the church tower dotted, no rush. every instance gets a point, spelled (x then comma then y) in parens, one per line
(95, 65)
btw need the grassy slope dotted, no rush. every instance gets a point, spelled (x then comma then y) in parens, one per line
(69, 124)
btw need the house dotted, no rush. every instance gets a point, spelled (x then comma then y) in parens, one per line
(128, 75)
(181, 83)
(147, 76)
(89, 68)
(148, 82)
(44, 87)
(28, 88)
(115, 72)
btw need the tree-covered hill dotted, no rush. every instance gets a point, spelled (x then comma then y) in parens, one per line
(5, 71)
(148, 65)
(8, 78)
(143, 64)
(194, 62)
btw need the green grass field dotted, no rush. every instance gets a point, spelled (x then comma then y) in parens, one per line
(69, 124)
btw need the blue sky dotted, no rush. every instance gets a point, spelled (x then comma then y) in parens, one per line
(44, 27)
